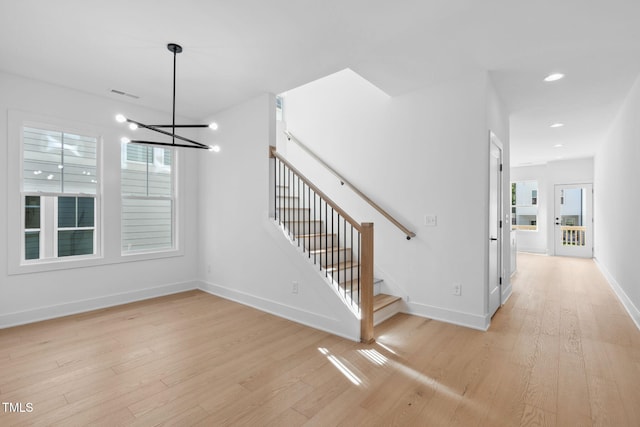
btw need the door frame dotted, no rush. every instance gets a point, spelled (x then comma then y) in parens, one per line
(494, 141)
(588, 219)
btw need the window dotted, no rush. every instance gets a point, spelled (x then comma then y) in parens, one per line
(148, 204)
(524, 205)
(60, 194)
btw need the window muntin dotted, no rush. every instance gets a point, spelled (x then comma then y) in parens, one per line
(524, 205)
(148, 201)
(59, 178)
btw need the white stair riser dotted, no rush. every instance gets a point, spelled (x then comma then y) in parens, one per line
(376, 287)
(287, 202)
(333, 256)
(294, 214)
(345, 274)
(319, 242)
(387, 312)
(297, 228)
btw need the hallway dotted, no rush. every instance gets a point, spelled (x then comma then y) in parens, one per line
(571, 342)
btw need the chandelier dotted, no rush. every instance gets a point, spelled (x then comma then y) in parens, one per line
(182, 141)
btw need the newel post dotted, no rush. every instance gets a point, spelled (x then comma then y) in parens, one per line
(366, 274)
(272, 182)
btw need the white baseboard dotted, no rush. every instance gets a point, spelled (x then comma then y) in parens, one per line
(445, 315)
(533, 251)
(313, 320)
(75, 307)
(506, 293)
(622, 296)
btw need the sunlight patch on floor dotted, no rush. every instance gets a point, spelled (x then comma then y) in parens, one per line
(341, 367)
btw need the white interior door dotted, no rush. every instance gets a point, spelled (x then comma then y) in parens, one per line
(573, 220)
(495, 225)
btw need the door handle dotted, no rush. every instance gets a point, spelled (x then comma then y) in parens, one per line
(493, 238)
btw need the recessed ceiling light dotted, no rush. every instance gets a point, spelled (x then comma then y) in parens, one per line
(553, 77)
(558, 146)
(557, 125)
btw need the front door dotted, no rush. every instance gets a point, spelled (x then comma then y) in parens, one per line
(495, 224)
(573, 220)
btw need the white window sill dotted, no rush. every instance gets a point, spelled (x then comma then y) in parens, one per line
(56, 264)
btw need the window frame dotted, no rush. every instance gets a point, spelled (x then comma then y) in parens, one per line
(49, 232)
(17, 262)
(175, 248)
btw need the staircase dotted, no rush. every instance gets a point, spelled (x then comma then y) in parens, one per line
(333, 242)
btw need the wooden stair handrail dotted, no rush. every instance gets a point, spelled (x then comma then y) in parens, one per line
(355, 189)
(273, 153)
(365, 280)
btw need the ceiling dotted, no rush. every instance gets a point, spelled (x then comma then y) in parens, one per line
(235, 50)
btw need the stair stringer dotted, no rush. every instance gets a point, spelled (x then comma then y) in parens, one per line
(324, 311)
(320, 271)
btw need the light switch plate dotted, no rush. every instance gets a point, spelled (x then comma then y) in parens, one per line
(430, 220)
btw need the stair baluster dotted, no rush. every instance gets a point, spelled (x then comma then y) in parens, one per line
(348, 269)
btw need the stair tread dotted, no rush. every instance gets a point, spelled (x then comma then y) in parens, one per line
(342, 266)
(329, 249)
(355, 281)
(381, 301)
(309, 236)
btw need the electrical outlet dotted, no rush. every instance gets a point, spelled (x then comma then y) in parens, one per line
(294, 288)
(457, 289)
(430, 220)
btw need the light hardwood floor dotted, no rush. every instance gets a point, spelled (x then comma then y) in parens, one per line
(562, 351)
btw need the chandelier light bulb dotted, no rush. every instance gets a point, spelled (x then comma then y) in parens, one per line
(120, 118)
(213, 125)
(125, 140)
(214, 148)
(133, 126)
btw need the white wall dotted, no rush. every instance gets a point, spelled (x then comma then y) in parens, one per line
(243, 255)
(113, 279)
(617, 202)
(425, 152)
(571, 171)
